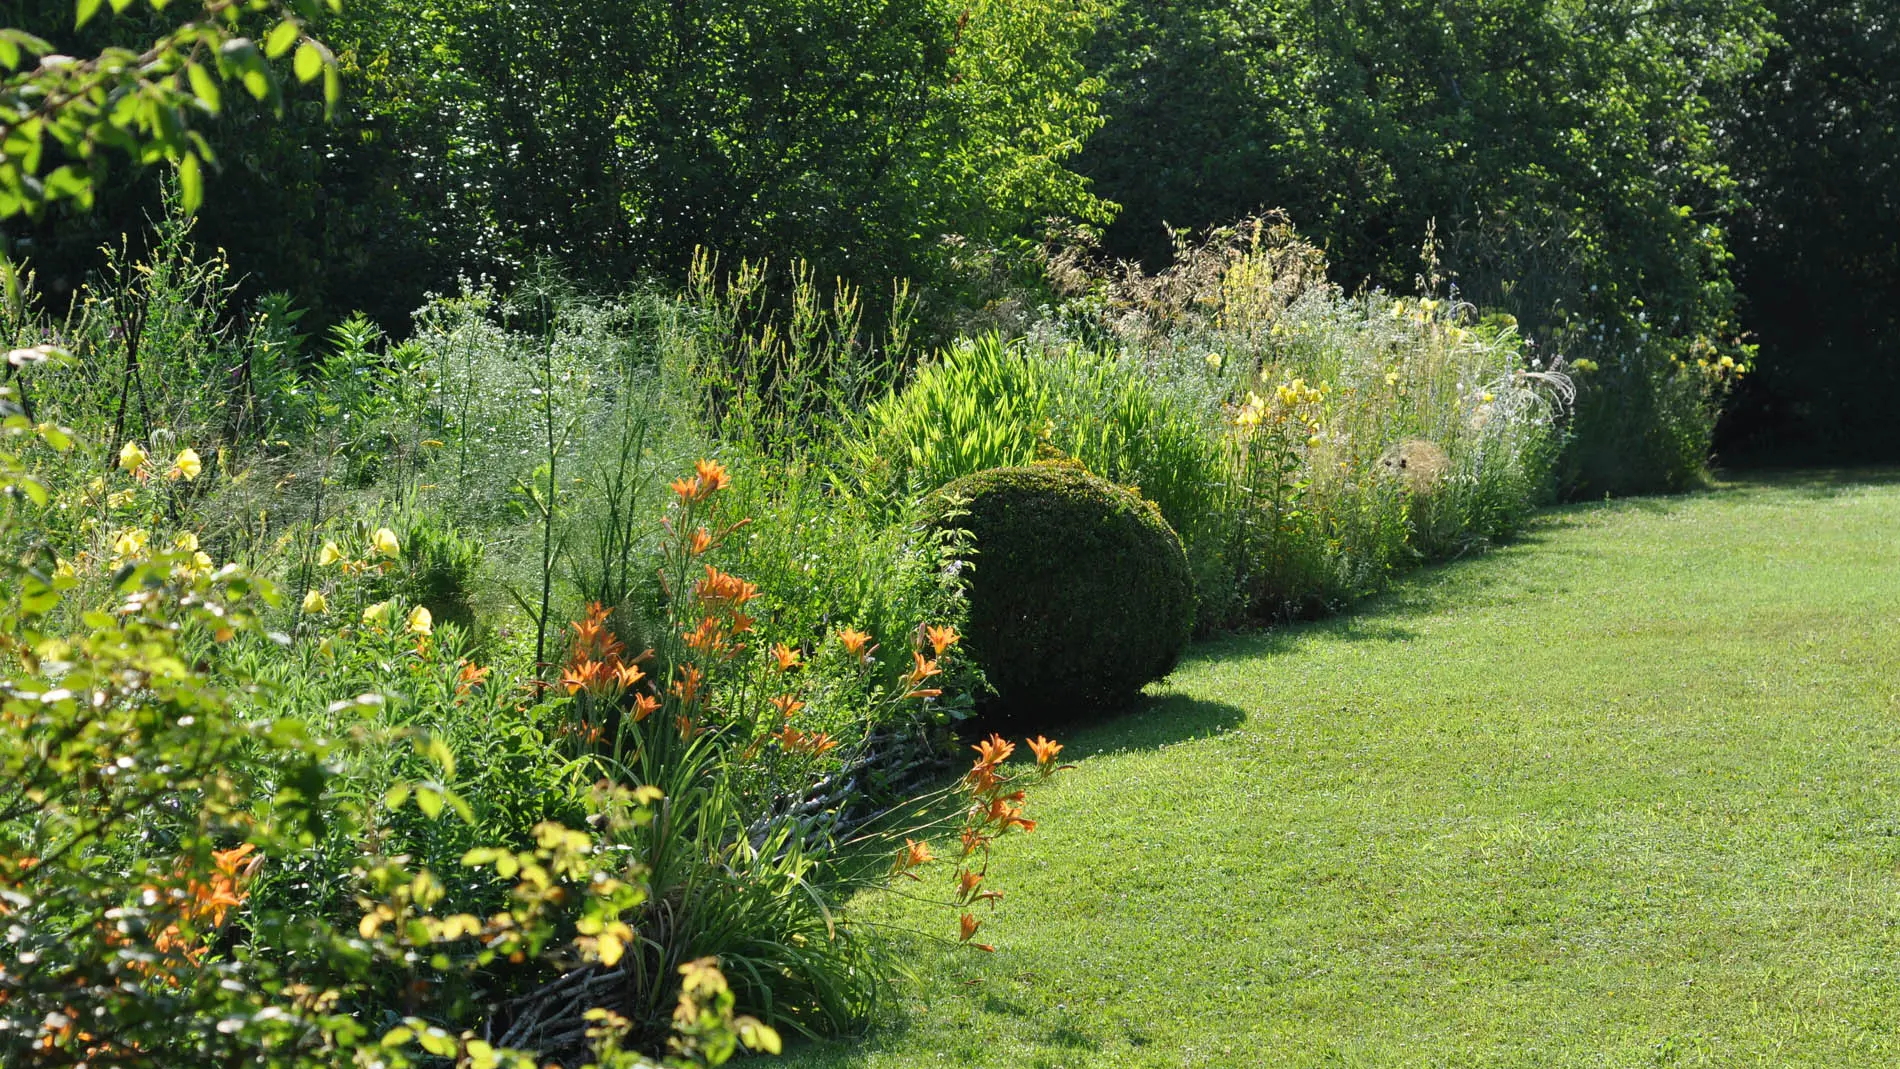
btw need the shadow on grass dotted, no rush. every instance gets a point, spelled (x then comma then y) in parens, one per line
(1815, 484)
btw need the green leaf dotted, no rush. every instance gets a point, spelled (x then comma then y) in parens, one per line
(191, 183)
(87, 9)
(10, 280)
(397, 796)
(205, 87)
(429, 801)
(332, 90)
(282, 36)
(309, 62)
(438, 1043)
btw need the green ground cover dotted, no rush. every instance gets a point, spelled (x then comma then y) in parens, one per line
(1622, 793)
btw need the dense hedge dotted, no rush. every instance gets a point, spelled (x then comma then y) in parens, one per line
(1079, 594)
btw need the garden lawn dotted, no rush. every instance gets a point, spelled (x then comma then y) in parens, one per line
(1623, 793)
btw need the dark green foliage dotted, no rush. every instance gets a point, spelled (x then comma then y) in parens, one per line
(1816, 149)
(1079, 592)
(1566, 153)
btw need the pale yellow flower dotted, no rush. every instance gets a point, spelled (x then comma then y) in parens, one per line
(187, 464)
(330, 554)
(384, 542)
(187, 542)
(420, 622)
(131, 457)
(378, 614)
(130, 542)
(315, 603)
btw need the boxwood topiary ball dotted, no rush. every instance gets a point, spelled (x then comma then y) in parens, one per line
(1079, 592)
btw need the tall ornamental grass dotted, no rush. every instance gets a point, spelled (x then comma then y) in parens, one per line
(1304, 442)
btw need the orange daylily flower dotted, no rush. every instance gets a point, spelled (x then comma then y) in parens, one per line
(711, 477)
(685, 726)
(966, 885)
(721, 589)
(994, 750)
(787, 705)
(584, 675)
(913, 855)
(644, 705)
(626, 675)
(702, 540)
(786, 656)
(941, 637)
(923, 670)
(973, 840)
(856, 643)
(686, 687)
(969, 925)
(709, 637)
(1044, 749)
(797, 741)
(469, 676)
(686, 488)
(1004, 815)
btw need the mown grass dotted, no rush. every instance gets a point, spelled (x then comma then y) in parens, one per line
(1623, 793)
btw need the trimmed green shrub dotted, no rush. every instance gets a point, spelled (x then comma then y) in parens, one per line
(1079, 592)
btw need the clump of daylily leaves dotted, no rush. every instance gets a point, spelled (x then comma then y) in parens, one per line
(704, 684)
(704, 675)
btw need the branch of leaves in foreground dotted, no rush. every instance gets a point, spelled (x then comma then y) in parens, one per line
(61, 116)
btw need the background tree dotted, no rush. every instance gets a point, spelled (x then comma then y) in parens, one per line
(1566, 153)
(1816, 147)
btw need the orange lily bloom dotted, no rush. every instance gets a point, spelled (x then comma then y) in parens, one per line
(786, 656)
(644, 705)
(973, 840)
(1004, 815)
(966, 885)
(923, 670)
(687, 489)
(856, 643)
(701, 542)
(787, 705)
(708, 637)
(994, 750)
(582, 676)
(711, 477)
(1044, 749)
(469, 676)
(686, 687)
(941, 637)
(913, 855)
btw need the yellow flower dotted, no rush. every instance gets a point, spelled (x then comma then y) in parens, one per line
(63, 568)
(118, 499)
(384, 542)
(186, 542)
(420, 622)
(1213, 361)
(1488, 398)
(201, 563)
(129, 542)
(131, 458)
(1391, 378)
(326, 649)
(330, 555)
(187, 464)
(376, 615)
(315, 603)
